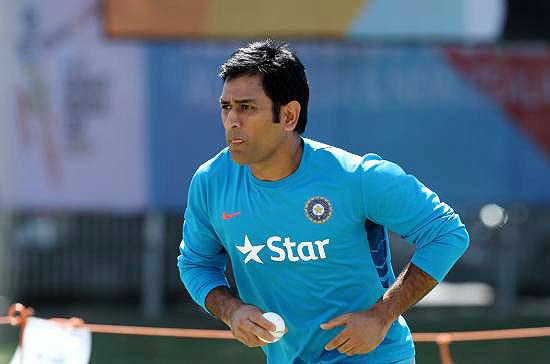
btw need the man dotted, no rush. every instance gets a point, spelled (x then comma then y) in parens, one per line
(305, 226)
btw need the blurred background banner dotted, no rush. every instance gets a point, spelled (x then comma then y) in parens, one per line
(77, 130)
(7, 63)
(469, 20)
(129, 122)
(471, 122)
(7, 60)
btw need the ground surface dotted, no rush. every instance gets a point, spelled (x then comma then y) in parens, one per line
(119, 349)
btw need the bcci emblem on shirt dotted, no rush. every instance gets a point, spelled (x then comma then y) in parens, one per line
(318, 209)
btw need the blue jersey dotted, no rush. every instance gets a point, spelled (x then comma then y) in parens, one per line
(314, 245)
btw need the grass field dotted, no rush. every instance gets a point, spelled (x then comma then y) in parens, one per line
(118, 349)
(112, 349)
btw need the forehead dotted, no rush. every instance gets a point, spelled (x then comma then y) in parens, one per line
(243, 87)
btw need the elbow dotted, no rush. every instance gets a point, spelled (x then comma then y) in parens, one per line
(184, 269)
(463, 240)
(191, 271)
(181, 267)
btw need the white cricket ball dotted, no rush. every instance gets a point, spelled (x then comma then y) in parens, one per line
(279, 326)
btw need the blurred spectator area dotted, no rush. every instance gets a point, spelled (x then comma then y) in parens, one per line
(99, 257)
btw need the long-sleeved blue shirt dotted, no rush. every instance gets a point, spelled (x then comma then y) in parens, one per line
(314, 245)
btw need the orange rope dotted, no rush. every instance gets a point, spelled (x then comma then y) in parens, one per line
(159, 331)
(483, 335)
(442, 337)
(18, 314)
(226, 334)
(446, 337)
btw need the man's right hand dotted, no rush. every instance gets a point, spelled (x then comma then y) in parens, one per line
(248, 325)
(246, 321)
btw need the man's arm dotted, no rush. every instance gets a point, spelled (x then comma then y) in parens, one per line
(411, 285)
(403, 205)
(246, 321)
(202, 258)
(202, 263)
(409, 288)
(221, 303)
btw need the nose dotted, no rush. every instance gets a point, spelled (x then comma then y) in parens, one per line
(232, 119)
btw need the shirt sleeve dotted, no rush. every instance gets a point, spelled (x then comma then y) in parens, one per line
(405, 206)
(202, 260)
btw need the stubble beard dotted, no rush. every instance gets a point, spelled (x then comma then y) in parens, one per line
(241, 158)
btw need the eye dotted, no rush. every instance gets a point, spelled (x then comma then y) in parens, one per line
(225, 106)
(246, 107)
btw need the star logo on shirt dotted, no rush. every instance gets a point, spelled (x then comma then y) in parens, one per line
(251, 250)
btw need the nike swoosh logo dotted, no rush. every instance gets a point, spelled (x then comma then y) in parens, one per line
(227, 216)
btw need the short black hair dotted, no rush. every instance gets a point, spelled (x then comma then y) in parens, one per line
(283, 74)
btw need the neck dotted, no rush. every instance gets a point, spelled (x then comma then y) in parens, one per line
(282, 163)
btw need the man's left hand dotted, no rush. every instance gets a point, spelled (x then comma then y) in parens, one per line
(363, 332)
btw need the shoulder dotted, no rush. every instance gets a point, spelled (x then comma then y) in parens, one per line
(333, 157)
(216, 163)
(380, 177)
(371, 165)
(377, 168)
(219, 165)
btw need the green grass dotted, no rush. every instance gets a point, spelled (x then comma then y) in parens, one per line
(113, 349)
(532, 351)
(8, 341)
(168, 350)
(6, 352)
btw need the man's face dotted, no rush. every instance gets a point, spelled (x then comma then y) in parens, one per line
(247, 115)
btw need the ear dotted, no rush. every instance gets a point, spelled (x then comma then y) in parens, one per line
(290, 113)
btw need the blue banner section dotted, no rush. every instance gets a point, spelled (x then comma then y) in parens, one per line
(184, 120)
(405, 103)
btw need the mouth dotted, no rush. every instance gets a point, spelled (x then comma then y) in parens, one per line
(236, 141)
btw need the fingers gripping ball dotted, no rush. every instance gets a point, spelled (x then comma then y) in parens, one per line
(279, 326)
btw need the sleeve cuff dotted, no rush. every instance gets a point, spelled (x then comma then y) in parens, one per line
(206, 290)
